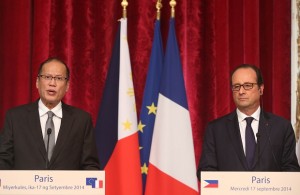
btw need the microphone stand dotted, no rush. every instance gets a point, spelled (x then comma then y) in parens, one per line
(49, 130)
(258, 149)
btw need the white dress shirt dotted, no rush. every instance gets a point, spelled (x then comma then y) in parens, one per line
(243, 124)
(57, 110)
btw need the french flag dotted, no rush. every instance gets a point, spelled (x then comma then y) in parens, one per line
(172, 167)
(93, 182)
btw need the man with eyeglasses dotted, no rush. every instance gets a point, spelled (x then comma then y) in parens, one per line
(248, 139)
(49, 134)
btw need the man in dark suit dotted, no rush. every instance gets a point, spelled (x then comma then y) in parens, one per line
(26, 142)
(267, 143)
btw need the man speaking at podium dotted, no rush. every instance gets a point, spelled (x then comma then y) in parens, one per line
(48, 134)
(248, 139)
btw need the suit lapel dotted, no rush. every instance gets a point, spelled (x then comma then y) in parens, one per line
(263, 129)
(33, 119)
(235, 135)
(64, 131)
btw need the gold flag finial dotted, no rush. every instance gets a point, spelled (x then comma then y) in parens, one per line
(124, 5)
(172, 4)
(158, 7)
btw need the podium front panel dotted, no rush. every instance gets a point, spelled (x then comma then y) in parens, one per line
(250, 183)
(52, 182)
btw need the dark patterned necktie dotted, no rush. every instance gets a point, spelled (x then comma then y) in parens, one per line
(250, 142)
(49, 125)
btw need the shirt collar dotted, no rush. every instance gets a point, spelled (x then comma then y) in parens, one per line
(242, 116)
(57, 110)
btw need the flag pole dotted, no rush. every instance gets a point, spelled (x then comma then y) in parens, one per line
(124, 5)
(172, 4)
(158, 8)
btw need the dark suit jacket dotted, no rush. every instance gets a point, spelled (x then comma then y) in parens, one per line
(223, 149)
(22, 146)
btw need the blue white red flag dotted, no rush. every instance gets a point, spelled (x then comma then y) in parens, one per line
(212, 184)
(172, 166)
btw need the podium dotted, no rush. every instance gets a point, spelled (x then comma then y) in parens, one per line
(250, 183)
(52, 182)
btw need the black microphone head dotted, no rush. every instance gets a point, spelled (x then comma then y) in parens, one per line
(49, 131)
(257, 135)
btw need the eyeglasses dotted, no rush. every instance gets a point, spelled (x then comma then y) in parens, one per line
(246, 86)
(49, 78)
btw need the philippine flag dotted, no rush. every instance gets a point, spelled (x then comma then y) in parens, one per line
(116, 128)
(212, 184)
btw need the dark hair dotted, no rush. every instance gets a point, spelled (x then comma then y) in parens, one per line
(54, 59)
(259, 78)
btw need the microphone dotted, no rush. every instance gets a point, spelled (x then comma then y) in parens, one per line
(49, 131)
(258, 148)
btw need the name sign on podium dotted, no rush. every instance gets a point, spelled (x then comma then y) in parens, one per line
(240, 183)
(52, 182)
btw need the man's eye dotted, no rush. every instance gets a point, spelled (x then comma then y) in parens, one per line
(48, 77)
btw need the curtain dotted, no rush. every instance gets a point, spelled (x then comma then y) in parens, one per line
(214, 36)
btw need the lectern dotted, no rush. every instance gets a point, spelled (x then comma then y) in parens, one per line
(52, 182)
(250, 183)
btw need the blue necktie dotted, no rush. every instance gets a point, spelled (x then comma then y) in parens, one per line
(250, 142)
